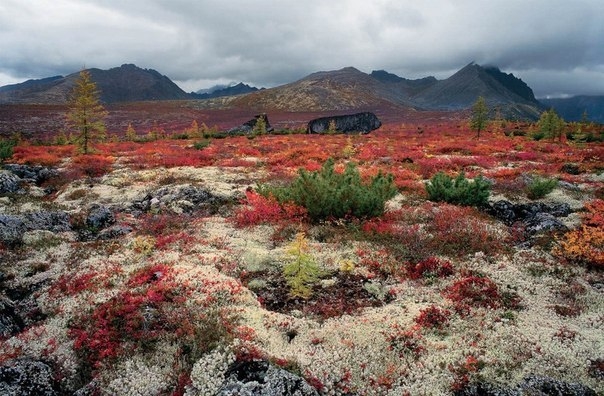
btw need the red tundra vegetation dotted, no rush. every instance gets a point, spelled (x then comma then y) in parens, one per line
(424, 299)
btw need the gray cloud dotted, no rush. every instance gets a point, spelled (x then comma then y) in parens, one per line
(553, 45)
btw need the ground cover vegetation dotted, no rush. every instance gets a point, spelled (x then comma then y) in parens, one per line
(376, 264)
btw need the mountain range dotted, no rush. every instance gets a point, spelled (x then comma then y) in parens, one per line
(339, 90)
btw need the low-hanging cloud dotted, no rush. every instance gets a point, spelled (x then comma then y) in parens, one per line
(553, 46)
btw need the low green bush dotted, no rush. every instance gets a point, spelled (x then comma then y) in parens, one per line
(459, 191)
(327, 194)
(6, 149)
(539, 187)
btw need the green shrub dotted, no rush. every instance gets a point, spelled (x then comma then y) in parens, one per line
(459, 191)
(327, 194)
(539, 187)
(201, 144)
(6, 149)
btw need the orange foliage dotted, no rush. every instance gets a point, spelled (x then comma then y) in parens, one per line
(586, 244)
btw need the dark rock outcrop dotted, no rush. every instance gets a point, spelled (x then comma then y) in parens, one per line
(27, 377)
(259, 378)
(536, 218)
(186, 198)
(532, 385)
(510, 213)
(9, 183)
(10, 322)
(248, 127)
(12, 227)
(351, 123)
(31, 173)
(99, 217)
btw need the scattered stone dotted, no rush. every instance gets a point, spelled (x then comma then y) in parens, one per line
(178, 199)
(537, 385)
(35, 174)
(531, 386)
(10, 323)
(50, 221)
(352, 123)
(510, 213)
(571, 169)
(27, 377)
(259, 378)
(99, 217)
(12, 227)
(9, 183)
(11, 230)
(114, 232)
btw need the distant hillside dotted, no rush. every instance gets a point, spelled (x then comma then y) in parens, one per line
(460, 91)
(126, 83)
(225, 90)
(344, 89)
(572, 109)
(338, 90)
(351, 89)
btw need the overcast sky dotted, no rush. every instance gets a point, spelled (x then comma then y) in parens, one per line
(555, 46)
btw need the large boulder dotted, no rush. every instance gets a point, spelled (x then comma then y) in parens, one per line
(248, 127)
(351, 123)
(259, 378)
(27, 377)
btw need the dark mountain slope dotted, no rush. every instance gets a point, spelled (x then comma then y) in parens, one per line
(120, 84)
(572, 109)
(238, 89)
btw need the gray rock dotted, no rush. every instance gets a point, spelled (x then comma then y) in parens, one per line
(99, 217)
(9, 183)
(259, 378)
(27, 377)
(185, 198)
(12, 229)
(543, 222)
(10, 323)
(532, 385)
(114, 232)
(50, 221)
(35, 174)
(538, 385)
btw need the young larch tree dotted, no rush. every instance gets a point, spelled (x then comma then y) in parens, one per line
(480, 116)
(86, 113)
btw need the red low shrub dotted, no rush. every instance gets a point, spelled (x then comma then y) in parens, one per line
(258, 209)
(90, 165)
(431, 267)
(474, 291)
(433, 317)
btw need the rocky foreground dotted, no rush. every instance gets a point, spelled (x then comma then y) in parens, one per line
(145, 282)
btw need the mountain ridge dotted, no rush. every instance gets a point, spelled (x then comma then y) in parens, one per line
(346, 89)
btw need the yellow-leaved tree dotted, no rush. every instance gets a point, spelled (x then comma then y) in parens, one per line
(86, 115)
